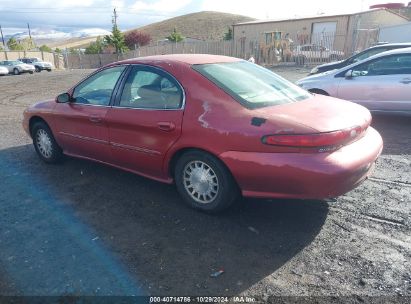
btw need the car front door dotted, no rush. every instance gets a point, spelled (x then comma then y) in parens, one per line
(382, 84)
(81, 126)
(146, 120)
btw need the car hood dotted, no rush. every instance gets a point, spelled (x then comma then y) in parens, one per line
(330, 64)
(319, 114)
(46, 105)
(317, 76)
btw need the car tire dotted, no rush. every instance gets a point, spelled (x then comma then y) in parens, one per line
(31, 72)
(38, 70)
(16, 71)
(204, 182)
(48, 70)
(45, 144)
(319, 91)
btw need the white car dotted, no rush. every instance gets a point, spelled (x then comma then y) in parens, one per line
(3, 71)
(381, 83)
(315, 53)
(17, 67)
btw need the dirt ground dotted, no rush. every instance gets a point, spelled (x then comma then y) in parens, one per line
(80, 228)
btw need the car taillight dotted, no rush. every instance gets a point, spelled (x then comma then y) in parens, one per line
(327, 141)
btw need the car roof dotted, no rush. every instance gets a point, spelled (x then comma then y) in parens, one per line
(190, 59)
(404, 44)
(406, 50)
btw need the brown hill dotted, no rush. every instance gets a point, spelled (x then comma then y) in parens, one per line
(202, 25)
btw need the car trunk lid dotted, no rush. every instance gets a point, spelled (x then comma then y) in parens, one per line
(320, 122)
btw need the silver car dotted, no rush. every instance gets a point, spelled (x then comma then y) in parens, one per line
(381, 83)
(17, 67)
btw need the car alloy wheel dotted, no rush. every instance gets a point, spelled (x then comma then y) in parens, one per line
(38, 70)
(45, 144)
(16, 71)
(204, 182)
(201, 182)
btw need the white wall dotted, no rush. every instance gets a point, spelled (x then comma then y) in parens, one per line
(396, 33)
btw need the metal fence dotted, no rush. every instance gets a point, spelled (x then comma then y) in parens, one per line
(267, 49)
(297, 49)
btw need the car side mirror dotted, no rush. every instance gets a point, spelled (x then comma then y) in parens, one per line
(349, 74)
(63, 98)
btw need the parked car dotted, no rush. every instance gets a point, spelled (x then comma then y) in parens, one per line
(358, 57)
(381, 83)
(39, 64)
(17, 67)
(3, 71)
(215, 126)
(313, 52)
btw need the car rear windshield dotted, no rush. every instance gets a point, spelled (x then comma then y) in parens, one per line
(251, 85)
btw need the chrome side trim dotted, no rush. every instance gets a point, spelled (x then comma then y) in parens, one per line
(147, 109)
(99, 141)
(134, 148)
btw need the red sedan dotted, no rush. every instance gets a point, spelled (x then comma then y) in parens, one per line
(215, 126)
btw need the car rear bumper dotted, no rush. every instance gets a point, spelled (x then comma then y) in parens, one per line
(305, 175)
(45, 68)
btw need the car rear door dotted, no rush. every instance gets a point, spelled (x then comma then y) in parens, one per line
(146, 120)
(382, 84)
(81, 124)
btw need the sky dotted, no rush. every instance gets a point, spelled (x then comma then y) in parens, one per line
(69, 15)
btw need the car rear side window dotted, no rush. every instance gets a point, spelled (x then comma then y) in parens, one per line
(147, 88)
(251, 85)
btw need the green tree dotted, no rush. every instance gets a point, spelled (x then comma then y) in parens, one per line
(58, 51)
(116, 39)
(73, 51)
(1, 47)
(229, 34)
(45, 48)
(27, 43)
(95, 47)
(175, 36)
(13, 45)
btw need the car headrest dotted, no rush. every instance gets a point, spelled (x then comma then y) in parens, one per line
(149, 91)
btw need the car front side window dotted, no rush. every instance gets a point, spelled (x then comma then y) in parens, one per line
(150, 89)
(97, 89)
(389, 65)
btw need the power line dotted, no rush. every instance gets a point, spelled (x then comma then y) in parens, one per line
(141, 13)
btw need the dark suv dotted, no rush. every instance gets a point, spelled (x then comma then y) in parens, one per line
(38, 64)
(358, 57)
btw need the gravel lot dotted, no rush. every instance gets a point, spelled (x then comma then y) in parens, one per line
(79, 228)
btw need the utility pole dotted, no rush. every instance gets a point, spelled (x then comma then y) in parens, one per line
(114, 19)
(28, 27)
(2, 38)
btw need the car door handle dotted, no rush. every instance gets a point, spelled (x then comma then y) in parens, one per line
(166, 126)
(406, 81)
(95, 118)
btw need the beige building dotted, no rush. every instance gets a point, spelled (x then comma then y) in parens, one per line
(346, 33)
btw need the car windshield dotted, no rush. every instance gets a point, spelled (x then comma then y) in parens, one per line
(14, 62)
(253, 86)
